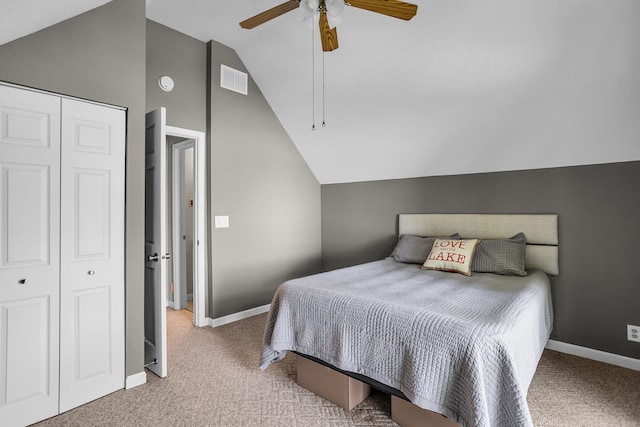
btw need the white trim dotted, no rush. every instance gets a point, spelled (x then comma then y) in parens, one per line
(135, 380)
(170, 304)
(590, 353)
(238, 316)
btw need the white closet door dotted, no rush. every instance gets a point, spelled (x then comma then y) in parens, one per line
(92, 253)
(29, 259)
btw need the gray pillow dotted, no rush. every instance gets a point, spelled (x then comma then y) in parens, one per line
(501, 256)
(415, 249)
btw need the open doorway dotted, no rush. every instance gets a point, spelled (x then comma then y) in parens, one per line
(182, 222)
(186, 286)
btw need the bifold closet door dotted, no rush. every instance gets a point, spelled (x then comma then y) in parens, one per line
(29, 255)
(91, 252)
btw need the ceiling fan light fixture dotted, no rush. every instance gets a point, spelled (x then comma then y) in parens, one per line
(309, 9)
(335, 9)
(310, 12)
(312, 5)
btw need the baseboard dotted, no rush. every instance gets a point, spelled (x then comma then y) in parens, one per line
(238, 316)
(590, 353)
(170, 304)
(135, 380)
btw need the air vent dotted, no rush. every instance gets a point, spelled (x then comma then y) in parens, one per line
(233, 79)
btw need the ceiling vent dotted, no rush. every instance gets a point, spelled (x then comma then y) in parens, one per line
(233, 79)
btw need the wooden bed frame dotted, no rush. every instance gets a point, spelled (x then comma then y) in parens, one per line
(541, 231)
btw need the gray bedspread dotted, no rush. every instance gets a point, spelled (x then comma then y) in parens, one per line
(466, 347)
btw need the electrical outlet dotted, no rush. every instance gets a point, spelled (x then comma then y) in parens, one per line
(633, 333)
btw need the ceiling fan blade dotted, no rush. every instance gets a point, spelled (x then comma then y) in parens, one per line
(395, 8)
(268, 15)
(329, 36)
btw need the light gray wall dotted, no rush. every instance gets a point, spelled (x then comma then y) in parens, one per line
(596, 294)
(184, 59)
(100, 55)
(260, 180)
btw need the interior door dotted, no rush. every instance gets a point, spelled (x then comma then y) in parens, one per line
(92, 326)
(29, 255)
(156, 257)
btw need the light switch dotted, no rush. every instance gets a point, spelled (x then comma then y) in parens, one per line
(221, 221)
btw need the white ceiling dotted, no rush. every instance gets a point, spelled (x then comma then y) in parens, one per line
(19, 18)
(465, 86)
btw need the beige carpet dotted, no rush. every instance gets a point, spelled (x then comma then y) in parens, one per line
(214, 381)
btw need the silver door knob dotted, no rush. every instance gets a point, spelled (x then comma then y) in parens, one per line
(153, 257)
(91, 272)
(166, 256)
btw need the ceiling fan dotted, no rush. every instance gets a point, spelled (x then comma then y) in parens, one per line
(333, 8)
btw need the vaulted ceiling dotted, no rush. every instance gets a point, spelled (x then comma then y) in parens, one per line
(21, 17)
(465, 86)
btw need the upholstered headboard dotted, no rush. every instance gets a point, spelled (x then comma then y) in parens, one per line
(541, 231)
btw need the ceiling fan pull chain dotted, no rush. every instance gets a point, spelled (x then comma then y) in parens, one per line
(323, 123)
(313, 81)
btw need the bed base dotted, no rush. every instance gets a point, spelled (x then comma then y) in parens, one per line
(371, 382)
(348, 389)
(407, 414)
(326, 382)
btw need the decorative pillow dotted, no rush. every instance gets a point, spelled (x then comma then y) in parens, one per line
(501, 256)
(452, 255)
(414, 249)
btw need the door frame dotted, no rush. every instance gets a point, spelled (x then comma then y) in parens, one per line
(199, 223)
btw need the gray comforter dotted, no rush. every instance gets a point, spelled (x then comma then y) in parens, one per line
(466, 347)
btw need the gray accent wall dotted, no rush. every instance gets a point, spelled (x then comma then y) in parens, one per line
(259, 179)
(597, 292)
(100, 56)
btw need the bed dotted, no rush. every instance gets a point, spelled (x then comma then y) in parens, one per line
(462, 346)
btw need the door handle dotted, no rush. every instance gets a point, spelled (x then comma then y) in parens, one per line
(153, 257)
(166, 256)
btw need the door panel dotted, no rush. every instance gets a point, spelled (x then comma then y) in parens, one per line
(28, 359)
(93, 307)
(29, 255)
(92, 206)
(91, 137)
(92, 253)
(25, 127)
(25, 193)
(155, 271)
